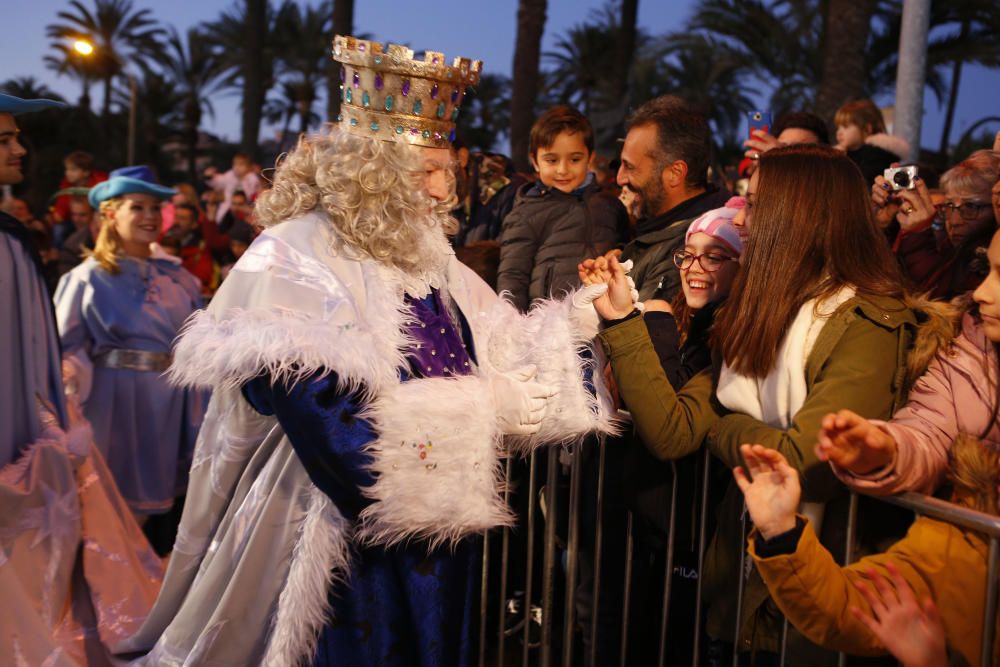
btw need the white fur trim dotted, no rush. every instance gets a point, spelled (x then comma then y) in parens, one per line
(564, 356)
(287, 346)
(321, 559)
(888, 142)
(454, 490)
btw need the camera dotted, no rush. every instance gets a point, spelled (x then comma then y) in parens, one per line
(901, 178)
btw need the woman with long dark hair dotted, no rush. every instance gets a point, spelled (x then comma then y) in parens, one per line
(816, 320)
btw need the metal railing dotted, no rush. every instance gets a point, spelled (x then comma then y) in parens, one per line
(561, 636)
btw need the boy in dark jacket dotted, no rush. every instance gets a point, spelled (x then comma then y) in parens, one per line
(562, 219)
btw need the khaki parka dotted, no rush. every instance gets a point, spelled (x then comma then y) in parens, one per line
(858, 362)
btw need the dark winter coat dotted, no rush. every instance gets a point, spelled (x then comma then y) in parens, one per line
(549, 232)
(658, 238)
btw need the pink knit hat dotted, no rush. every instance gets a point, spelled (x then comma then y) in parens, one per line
(718, 223)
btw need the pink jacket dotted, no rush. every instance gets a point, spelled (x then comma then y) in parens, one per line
(953, 397)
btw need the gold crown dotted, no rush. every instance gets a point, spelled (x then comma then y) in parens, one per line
(387, 94)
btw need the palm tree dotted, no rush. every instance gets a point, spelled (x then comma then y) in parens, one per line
(583, 75)
(485, 116)
(524, 88)
(305, 36)
(28, 88)
(845, 37)
(119, 33)
(247, 50)
(283, 109)
(343, 24)
(700, 70)
(159, 106)
(197, 75)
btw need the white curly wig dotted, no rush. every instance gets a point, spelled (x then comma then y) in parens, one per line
(373, 193)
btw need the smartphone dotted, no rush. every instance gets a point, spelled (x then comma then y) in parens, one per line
(758, 120)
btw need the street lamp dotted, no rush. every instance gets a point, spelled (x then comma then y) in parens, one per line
(86, 49)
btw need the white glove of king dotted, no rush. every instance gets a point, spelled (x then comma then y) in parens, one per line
(582, 315)
(520, 402)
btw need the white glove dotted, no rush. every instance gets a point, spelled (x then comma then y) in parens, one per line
(633, 292)
(520, 403)
(582, 314)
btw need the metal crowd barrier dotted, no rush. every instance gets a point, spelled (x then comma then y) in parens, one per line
(498, 647)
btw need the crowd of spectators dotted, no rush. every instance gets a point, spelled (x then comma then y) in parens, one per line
(817, 299)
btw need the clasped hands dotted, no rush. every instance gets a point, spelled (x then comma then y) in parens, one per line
(520, 401)
(621, 296)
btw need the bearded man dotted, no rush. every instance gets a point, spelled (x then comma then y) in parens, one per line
(365, 388)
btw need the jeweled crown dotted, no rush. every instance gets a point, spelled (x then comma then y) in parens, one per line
(387, 94)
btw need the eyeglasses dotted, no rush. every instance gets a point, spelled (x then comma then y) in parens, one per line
(968, 210)
(709, 261)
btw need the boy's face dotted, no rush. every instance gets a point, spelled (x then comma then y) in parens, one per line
(241, 167)
(75, 175)
(563, 165)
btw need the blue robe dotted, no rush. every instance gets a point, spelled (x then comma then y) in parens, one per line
(145, 427)
(29, 346)
(403, 606)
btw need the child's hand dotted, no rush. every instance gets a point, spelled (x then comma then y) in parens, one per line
(854, 444)
(912, 632)
(773, 494)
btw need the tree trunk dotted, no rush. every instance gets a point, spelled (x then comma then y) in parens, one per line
(106, 105)
(253, 75)
(524, 87)
(624, 55)
(956, 80)
(343, 24)
(845, 36)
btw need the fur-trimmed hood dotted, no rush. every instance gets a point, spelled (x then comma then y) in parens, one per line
(939, 324)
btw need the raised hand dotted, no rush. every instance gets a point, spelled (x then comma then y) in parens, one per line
(911, 631)
(771, 490)
(621, 297)
(854, 444)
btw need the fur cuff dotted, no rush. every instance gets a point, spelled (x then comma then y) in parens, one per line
(565, 358)
(436, 462)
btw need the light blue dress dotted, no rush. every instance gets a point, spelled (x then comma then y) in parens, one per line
(145, 427)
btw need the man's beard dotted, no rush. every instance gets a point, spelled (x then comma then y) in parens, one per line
(651, 198)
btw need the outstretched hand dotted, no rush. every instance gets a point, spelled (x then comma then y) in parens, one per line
(771, 490)
(854, 444)
(911, 631)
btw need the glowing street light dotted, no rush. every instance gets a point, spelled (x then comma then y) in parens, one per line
(86, 49)
(83, 47)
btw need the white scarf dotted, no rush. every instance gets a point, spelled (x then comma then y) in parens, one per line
(776, 398)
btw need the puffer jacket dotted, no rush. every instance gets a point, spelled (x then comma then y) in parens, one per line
(956, 395)
(549, 232)
(859, 361)
(935, 558)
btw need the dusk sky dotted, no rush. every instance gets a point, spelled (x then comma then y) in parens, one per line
(477, 29)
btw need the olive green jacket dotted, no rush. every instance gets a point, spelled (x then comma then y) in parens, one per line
(858, 362)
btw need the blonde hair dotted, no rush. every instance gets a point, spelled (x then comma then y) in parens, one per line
(108, 244)
(372, 192)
